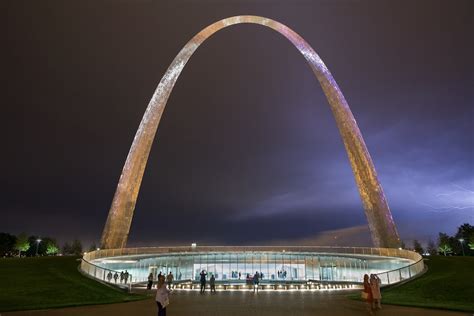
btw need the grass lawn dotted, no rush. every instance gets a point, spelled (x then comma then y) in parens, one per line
(448, 284)
(49, 282)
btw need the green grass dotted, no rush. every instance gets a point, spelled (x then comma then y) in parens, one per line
(51, 282)
(448, 284)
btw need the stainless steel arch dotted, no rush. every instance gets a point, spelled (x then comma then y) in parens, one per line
(381, 224)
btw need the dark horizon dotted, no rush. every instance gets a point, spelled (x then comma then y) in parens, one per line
(247, 151)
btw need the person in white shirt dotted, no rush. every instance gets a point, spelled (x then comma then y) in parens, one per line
(162, 296)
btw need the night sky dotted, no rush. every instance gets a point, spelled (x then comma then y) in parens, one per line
(247, 151)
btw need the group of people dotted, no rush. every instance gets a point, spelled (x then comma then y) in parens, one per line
(212, 282)
(371, 293)
(169, 280)
(123, 276)
(281, 274)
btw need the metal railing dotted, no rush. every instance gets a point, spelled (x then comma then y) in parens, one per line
(102, 274)
(402, 274)
(385, 252)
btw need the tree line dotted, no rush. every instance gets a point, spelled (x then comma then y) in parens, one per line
(23, 245)
(460, 244)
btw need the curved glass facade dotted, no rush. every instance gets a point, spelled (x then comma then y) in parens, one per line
(236, 267)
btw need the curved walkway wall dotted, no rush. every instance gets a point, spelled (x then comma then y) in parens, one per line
(303, 264)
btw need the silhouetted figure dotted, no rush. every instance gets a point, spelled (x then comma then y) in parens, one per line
(212, 283)
(150, 281)
(125, 276)
(122, 275)
(203, 281)
(256, 281)
(109, 276)
(116, 277)
(169, 279)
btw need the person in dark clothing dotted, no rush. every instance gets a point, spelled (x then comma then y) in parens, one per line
(150, 282)
(212, 282)
(203, 281)
(109, 276)
(256, 281)
(125, 276)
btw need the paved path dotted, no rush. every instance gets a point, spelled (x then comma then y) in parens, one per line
(243, 303)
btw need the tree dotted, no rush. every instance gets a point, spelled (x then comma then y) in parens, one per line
(471, 241)
(92, 247)
(67, 249)
(453, 243)
(417, 247)
(466, 233)
(431, 249)
(76, 247)
(22, 244)
(7, 244)
(51, 247)
(37, 246)
(445, 249)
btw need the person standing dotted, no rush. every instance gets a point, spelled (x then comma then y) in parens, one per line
(115, 277)
(212, 283)
(109, 276)
(169, 280)
(203, 281)
(256, 281)
(150, 281)
(367, 294)
(162, 296)
(122, 275)
(375, 283)
(125, 276)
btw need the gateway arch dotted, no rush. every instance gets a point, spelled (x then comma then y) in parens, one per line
(381, 224)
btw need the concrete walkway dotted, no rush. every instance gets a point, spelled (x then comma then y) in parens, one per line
(243, 303)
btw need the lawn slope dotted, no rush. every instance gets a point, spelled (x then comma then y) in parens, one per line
(448, 284)
(49, 282)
